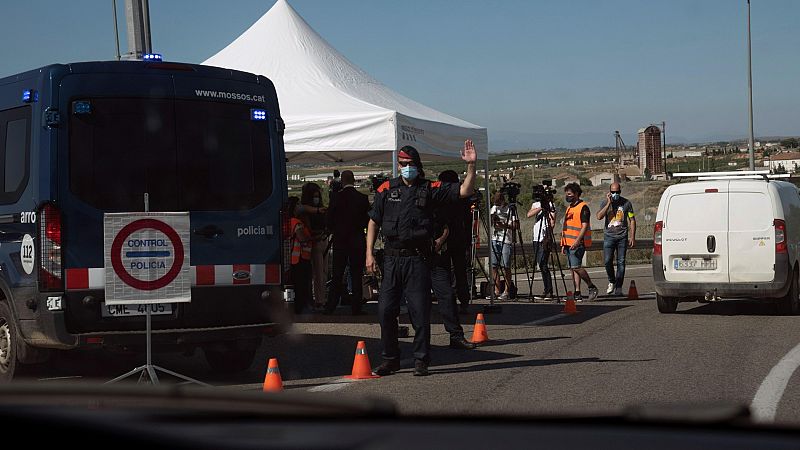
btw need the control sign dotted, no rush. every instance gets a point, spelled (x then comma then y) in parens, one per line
(146, 258)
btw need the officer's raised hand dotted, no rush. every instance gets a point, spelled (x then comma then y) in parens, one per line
(468, 154)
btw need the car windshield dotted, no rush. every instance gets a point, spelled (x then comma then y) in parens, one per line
(459, 208)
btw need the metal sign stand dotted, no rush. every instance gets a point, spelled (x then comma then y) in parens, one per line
(149, 369)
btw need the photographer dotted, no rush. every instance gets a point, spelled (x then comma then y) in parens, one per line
(544, 211)
(502, 240)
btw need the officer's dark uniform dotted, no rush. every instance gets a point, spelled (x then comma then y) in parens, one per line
(405, 215)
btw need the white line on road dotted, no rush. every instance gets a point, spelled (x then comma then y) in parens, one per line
(545, 319)
(765, 403)
(331, 387)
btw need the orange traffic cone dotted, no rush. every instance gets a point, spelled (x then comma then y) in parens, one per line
(479, 334)
(633, 294)
(272, 381)
(361, 368)
(569, 306)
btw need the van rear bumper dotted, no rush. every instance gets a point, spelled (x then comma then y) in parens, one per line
(214, 314)
(776, 288)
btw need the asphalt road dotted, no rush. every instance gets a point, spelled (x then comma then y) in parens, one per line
(613, 354)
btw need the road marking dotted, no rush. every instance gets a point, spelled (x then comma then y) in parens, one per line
(765, 402)
(72, 377)
(331, 387)
(545, 319)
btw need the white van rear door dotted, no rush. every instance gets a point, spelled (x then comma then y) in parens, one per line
(751, 232)
(694, 239)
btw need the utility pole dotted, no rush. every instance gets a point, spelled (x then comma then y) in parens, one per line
(116, 27)
(137, 16)
(750, 90)
(664, 145)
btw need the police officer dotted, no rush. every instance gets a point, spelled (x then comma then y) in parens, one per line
(403, 211)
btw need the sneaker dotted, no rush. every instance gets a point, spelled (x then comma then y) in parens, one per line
(618, 292)
(592, 293)
(610, 288)
(421, 368)
(577, 297)
(504, 296)
(388, 367)
(461, 344)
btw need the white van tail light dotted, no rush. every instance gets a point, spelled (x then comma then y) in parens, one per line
(657, 231)
(50, 267)
(780, 236)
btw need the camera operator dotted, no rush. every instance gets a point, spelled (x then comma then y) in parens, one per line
(502, 240)
(544, 210)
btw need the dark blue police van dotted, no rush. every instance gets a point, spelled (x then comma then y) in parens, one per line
(80, 140)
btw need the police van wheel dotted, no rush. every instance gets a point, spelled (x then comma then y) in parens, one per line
(8, 344)
(230, 357)
(666, 305)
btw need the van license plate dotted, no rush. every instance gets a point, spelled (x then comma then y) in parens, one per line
(135, 310)
(695, 264)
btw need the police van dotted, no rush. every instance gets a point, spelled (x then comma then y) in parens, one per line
(729, 235)
(84, 139)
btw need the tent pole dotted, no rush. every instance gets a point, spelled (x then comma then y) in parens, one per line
(394, 163)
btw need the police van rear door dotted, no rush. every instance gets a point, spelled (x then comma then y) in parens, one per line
(130, 134)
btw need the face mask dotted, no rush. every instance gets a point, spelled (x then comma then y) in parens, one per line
(315, 201)
(570, 198)
(615, 196)
(409, 172)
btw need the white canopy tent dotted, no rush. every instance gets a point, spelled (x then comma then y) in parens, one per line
(333, 110)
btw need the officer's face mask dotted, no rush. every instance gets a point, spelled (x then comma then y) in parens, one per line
(409, 172)
(615, 196)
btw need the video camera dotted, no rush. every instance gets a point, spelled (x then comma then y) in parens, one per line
(511, 190)
(544, 193)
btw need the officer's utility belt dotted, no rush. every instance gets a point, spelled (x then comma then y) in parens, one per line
(402, 252)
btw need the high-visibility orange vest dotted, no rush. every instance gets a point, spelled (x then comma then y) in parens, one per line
(299, 249)
(572, 226)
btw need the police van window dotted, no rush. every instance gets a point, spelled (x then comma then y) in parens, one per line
(187, 155)
(14, 152)
(120, 149)
(223, 156)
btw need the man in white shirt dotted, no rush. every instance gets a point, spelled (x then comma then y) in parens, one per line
(502, 240)
(542, 244)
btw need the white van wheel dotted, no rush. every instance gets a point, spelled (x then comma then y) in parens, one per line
(790, 304)
(666, 305)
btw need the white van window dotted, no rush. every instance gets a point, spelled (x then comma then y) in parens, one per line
(750, 211)
(697, 212)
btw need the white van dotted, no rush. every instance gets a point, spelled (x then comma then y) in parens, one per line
(728, 237)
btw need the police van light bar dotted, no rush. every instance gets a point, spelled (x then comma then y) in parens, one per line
(29, 95)
(81, 107)
(258, 114)
(152, 57)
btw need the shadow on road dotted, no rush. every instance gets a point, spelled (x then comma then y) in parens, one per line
(730, 308)
(531, 363)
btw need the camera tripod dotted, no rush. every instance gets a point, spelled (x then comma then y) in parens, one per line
(550, 241)
(516, 235)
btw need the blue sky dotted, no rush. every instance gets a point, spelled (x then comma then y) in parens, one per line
(552, 67)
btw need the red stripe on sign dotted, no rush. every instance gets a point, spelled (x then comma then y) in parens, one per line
(273, 274)
(205, 275)
(241, 274)
(77, 278)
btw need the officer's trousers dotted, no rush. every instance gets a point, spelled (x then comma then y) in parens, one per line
(442, 285)
(406, 277)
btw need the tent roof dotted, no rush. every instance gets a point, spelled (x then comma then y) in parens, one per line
(333, 109)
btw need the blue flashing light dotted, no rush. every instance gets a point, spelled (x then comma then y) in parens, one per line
(29, 95)
(258, 114)
(81, 107)
(152, 57)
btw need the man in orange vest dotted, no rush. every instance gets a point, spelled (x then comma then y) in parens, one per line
(575, 237)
